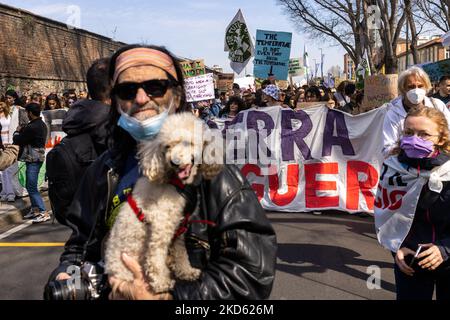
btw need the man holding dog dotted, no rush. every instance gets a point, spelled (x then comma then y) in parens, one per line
(236, 249)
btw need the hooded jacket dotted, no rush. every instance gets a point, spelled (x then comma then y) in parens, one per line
(88, 116)
(395, 118)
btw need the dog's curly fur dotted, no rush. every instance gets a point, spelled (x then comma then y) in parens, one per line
(151, 243)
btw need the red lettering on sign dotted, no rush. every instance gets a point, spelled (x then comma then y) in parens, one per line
(292, 184)
(354, 185)
(392, 200)
(396, 203)
(257, 187)
(312, 185)
(378, 202)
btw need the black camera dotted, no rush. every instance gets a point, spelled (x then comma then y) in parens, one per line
(88, 282)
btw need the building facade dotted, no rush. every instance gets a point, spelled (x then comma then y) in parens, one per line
(428, 50)
(349, 68)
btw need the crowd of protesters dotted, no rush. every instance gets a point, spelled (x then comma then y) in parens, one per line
(23, 137)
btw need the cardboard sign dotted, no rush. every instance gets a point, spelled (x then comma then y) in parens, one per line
(379, 89)
(193, 68)
(200, 88)
(296, 67)
(246, 83)
(272, 54)
(225, 81)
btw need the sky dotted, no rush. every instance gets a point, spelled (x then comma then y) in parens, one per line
(191, 29)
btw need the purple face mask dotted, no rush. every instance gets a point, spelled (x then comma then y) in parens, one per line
(416, 147)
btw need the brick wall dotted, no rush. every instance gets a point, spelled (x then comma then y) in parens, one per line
(38, 54)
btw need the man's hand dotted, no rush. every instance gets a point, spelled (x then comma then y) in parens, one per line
(400, 260)
(62, 276)
(137, 289)
(433, 257)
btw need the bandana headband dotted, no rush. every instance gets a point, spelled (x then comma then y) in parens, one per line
(144, 57)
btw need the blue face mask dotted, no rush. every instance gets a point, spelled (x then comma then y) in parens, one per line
(143, 130)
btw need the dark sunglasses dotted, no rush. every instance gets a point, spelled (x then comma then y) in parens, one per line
(154, 88)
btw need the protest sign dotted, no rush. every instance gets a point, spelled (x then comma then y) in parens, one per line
(53, 119)
(307, 160)
(437, 69)
(296, 67)
(238, 43)
(379, 89)
(193, 68)
(272, 54)
(200, 88)
(225, 81)
(246, 83)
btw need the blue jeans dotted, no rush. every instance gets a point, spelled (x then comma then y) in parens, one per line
(32, 174)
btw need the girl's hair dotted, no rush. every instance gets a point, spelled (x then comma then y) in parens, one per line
(54, 97)
(6, 109)
(233, 99)
(437, 117)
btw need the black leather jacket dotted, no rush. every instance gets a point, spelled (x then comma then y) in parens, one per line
(237, 255)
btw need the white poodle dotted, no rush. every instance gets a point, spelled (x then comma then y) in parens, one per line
(179, 150)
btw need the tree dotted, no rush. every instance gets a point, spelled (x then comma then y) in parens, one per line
(435, 12)
(345, 21)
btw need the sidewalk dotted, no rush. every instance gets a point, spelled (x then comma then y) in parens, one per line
(12, 212)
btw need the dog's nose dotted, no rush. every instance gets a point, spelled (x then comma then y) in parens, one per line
(173, 164)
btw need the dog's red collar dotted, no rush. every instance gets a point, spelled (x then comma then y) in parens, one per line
(137, 211)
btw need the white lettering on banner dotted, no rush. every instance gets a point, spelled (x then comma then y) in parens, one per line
(307, 160)
(200, 87)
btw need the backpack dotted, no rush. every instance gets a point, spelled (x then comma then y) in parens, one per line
(65, 166)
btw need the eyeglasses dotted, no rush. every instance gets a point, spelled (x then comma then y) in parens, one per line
(153, 88)
(421, 134)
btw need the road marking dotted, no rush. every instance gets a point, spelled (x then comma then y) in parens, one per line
(32, 244)
(16, 229)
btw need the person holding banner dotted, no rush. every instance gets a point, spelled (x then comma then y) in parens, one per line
(413, 86)
(271, 96)
(412, 216)
(232, 108)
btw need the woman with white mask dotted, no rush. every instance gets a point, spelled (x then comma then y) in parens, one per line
(413, 86)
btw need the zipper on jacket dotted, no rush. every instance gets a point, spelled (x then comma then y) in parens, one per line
(433, 230)
(111, 179)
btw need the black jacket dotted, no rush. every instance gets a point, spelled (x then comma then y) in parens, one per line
(88, 116)
(34, 134)
(431, 222)
(237, 255)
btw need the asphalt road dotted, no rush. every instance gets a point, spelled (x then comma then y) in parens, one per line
(319, 257)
